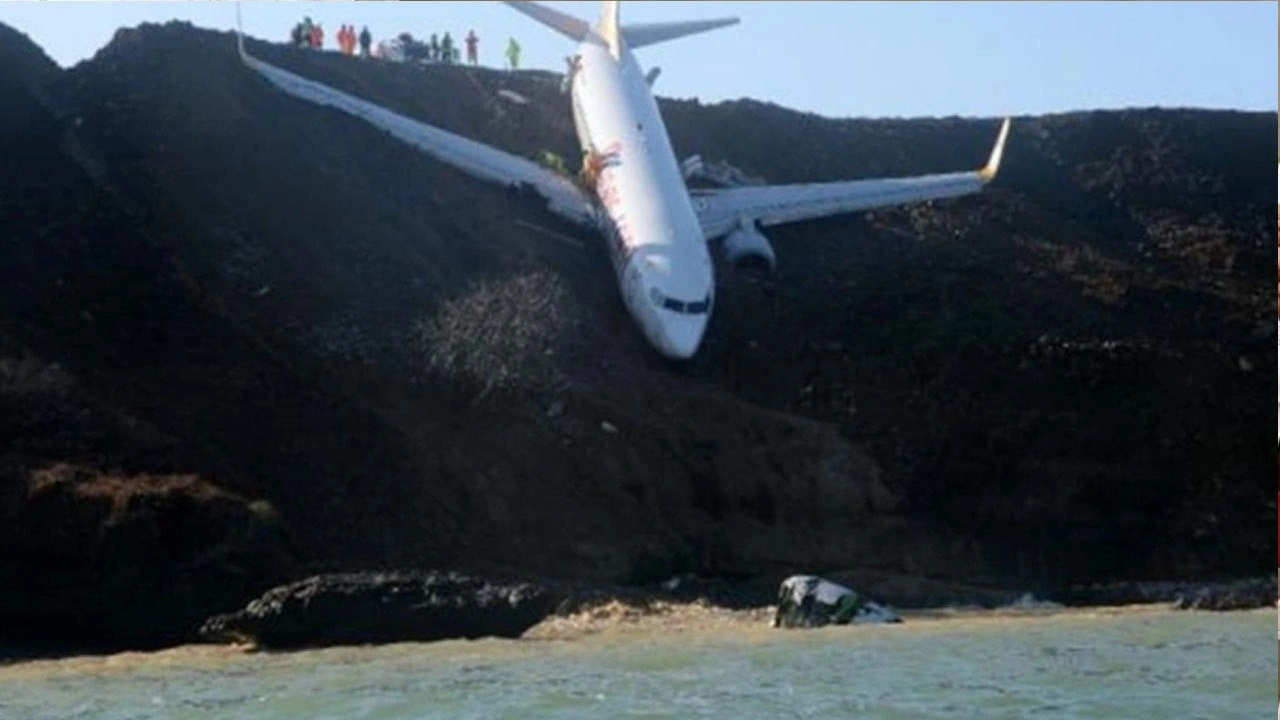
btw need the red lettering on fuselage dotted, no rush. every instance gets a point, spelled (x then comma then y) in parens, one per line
(618, 229)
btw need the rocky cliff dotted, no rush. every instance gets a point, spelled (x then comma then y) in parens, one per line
(244, 339)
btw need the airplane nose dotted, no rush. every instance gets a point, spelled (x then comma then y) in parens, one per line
(681, 339)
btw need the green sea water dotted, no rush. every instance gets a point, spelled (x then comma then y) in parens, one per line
(1141, 663)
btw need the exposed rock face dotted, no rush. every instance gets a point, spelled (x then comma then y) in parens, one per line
(273, 301)
(96, 560)
(1240, 594)
(357, 608)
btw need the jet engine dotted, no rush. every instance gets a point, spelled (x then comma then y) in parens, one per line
(747, 249)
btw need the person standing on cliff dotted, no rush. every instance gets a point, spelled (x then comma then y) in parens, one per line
(446, 48)
(473, 44)
(304, 32)
(366, 40)
(513, 54)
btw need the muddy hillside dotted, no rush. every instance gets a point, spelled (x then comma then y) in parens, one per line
(243, 338)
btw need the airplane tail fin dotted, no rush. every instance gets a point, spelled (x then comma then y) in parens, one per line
(638, 36)
(609, 28)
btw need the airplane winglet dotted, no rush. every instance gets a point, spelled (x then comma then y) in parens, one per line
(239, 30)
(988, 171)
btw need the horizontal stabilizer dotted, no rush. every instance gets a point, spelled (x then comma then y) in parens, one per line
(639, 35)
(568, 25)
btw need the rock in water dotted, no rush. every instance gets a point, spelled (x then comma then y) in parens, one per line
(810, 601)
(357, 608)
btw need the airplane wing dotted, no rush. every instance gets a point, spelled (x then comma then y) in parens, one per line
(721, 211)
(563, 197)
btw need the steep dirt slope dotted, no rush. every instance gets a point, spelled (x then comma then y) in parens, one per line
(1124, 252)
(1070, 349)
(111, 531)
(1056, 381)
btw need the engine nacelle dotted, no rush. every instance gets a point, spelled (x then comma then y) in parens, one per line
(746, 249)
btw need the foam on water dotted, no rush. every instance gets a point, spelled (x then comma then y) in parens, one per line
(1135, 663)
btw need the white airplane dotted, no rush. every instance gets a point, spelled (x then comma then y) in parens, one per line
(632, 188)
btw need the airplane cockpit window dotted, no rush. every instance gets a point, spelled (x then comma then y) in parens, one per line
(697, 307)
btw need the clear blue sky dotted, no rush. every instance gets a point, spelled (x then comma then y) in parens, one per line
(835, 58)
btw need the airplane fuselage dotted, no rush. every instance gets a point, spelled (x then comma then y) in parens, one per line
(659, 254)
